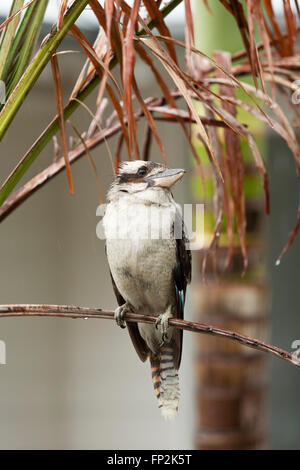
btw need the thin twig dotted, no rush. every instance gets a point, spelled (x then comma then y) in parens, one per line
(68, 311)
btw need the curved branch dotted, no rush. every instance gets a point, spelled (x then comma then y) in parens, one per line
(20, 195)
(154, 105)
(68, 311)
(41, 142)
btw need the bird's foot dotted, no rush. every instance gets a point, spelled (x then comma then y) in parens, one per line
(119, 314)
(163, 323)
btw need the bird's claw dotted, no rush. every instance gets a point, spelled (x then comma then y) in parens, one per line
(163, 322)
(119, 315)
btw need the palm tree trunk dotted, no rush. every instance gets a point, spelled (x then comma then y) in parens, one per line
(230, 378)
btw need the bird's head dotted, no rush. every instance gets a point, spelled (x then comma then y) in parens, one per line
(138, 175)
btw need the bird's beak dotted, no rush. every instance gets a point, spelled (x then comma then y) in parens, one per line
(166, 178)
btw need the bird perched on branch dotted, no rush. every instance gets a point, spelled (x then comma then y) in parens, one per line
(150, 267)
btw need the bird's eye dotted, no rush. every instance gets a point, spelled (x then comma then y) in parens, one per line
(142, 171)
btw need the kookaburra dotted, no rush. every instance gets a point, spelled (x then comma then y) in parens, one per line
(150, 267)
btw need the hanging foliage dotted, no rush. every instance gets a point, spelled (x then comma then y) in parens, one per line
(126, 35)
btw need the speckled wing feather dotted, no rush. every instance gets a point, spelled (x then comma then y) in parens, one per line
(182, 277)
(138, 342)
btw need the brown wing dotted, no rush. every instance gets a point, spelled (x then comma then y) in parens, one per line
(138, 342)
(182, 277)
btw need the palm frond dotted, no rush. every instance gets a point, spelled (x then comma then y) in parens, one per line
(214, 85)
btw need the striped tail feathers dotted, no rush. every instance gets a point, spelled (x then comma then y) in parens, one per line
(166, 381)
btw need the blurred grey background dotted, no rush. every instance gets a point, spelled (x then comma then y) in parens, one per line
(79, 384)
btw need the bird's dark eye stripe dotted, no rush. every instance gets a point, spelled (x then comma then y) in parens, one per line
(128, 178)
(131, 177)
(125, 177)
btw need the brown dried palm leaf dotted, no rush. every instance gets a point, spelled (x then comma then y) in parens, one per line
(60, 111)
(62, 10)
